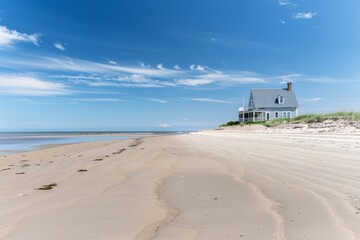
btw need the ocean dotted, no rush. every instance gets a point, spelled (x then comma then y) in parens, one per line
(12, 142)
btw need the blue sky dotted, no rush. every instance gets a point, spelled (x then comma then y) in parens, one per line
(170, 65)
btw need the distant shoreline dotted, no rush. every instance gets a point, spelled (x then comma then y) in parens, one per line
(15, 142)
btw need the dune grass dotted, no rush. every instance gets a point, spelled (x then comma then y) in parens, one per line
(308, 118)
(351, 116)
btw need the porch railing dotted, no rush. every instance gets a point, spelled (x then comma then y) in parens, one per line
(255, 119)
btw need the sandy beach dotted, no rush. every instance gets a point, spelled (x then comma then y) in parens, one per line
(204, 185)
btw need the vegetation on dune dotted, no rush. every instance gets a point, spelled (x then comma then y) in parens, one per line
(235, 123)
(231, 123)
(308, 118)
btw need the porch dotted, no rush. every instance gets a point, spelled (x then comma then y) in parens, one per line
(254, 116)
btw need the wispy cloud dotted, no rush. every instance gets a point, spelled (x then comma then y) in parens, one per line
(100, 74)
(59, 46)
(143, 65)
(289, 78)
(30, 86)
(208, 100)
(297, 77)
(194, 82)
(164, 125)
(177, 67)
(287, 3)
(197, 67)
(315, 99)
(160, 66)
(80, 66)
(94, 74)
(9, 37)
(133, 80)
(221, 78)
(112, 62)
(305, 16)
(157, 100)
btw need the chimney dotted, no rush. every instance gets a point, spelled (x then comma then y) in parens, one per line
(289, 86)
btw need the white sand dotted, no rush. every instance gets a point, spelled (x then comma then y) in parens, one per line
(206, 185)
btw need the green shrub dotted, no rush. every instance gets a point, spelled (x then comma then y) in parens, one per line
(231, 123)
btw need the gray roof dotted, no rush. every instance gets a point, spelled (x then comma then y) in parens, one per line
(266, 98)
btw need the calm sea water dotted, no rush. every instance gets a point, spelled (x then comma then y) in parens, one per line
(26, 141)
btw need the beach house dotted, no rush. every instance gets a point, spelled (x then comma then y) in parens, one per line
(268, 104)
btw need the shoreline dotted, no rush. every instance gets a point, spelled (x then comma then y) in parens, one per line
(190, 186)
(65, 139)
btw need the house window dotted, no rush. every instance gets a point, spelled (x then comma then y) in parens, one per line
(276, 114)
(281, 100)
(286, 114)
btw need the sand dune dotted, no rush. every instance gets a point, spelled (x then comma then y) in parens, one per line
(207, 185)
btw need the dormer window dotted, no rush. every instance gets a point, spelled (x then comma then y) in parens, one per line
(280, 100)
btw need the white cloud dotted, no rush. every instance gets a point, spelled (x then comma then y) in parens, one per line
(197, 67)
(208, 100)
(177, 67)
(289, 78)
(134, 80)
(80, 66)
(59, 46)
(143, 65)
(305, 16)
(112, 62)
(101, 74)
(282, 22)
(157, 100)
(164, 125)
(287, 3)
(221, 78)
(9, 37)
(193, 82)
(306, 78)
(316, 99)
(160, 66)
(96, 74)
(30, 86)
